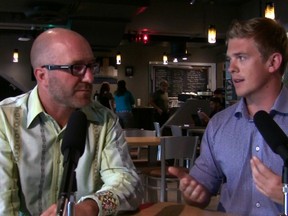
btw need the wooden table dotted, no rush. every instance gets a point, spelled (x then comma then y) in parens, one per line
(174, 209)
(143, 141)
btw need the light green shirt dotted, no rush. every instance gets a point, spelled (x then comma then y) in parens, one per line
(31, 163)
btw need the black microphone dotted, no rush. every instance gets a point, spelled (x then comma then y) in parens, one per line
(72, 148)
(272, 134)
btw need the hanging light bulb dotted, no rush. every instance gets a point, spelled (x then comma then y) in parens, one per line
(15, 56)
(138, 37)
(118, 58)
(145, 38)
(192, 2)
(270, 10)
(165, 59)
(212, 34)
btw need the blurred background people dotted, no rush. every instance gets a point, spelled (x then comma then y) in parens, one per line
(95, 96)
(124, 102)
(105, 97)
(219, 93)
(215, 105)
(160, 101)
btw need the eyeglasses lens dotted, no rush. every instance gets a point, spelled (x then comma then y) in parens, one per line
(79, 70)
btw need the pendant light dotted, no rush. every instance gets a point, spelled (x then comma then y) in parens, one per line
(118, 58)
(270, 10)
(15, 56)
(212, 34)
(165, 59)
(212, 28)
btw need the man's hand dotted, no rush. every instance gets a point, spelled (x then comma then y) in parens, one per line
(267, 182)
(193, 192)
(87, 207)
(51, 211)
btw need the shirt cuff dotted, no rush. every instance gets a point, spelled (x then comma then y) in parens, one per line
(106, 201)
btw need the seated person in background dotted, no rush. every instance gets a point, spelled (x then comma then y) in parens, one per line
(234, 157)
(215, 105)
(219, 92)
(31, 134)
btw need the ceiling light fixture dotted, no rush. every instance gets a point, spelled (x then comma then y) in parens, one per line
(185, 57)
(192, 2)
(212, 34)
(270, 10)
(165, 59)
(142, 37)
(211, 28)
(24, 38)
(118, 58)
(145, 38)
(15, 56)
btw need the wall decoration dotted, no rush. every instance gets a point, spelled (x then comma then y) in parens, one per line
(129, 71)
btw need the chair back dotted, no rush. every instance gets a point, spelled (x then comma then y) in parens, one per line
(181, 148)
(176, 130)
(157, 128)
(157, 150)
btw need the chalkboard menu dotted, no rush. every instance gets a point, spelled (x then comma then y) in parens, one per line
(181, 79)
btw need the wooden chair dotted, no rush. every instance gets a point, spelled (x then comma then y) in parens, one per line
(179, 148)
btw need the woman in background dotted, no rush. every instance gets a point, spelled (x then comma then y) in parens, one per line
(124, 102)
(105, 97)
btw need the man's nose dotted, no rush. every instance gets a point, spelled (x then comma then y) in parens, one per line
(88, 76)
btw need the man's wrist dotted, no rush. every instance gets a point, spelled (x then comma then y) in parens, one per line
(89, 207)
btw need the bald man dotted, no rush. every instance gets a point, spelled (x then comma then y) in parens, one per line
(31, 133)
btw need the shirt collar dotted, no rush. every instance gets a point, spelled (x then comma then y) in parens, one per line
(280, 105)
(93, 111)
(34, 106)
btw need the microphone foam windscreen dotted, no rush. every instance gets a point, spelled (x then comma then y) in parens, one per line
(75, 133)
(270, 130)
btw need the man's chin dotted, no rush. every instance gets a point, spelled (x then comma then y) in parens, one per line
(83, 102)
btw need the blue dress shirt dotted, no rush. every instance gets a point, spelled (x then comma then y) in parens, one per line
(229, 142)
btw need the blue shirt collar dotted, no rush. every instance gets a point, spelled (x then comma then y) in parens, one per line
(280, 105)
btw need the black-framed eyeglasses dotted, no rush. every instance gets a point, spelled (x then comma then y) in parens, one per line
(75, 69)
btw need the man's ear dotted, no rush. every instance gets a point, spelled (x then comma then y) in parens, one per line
(40, 75)
(274, 62)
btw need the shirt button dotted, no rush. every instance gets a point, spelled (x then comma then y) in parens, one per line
(257, 148)
(258, 205)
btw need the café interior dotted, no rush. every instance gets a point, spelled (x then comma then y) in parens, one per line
(136, 41)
